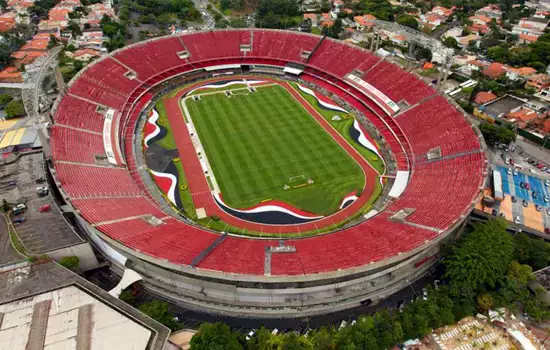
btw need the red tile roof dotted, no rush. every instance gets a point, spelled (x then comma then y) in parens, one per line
(494, 70)
(484, 97)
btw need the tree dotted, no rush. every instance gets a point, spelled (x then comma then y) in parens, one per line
(70, 262)
(5, 55)
(127, 296)
(53, 42)
(14, 109)
(323, 338)
(407, 21)
(484, 302)
(5, 98)
(531, 251)
(450, 42)
(481, 258)
(215, 336)
(494, 133)
(158, 310)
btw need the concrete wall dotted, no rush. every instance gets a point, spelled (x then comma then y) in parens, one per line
(84, 251)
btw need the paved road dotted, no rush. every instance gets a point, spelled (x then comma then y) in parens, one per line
(7, 253)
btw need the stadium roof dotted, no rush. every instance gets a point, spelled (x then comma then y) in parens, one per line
(47, 306)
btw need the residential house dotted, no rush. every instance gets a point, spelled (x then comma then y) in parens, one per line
(443, 11)
(483, 97)
(532, 26)
(526, 39)
(364, 22)
(494, 70)
(7, 22)
(455, 32)
(464, 41)
(96, 12)
(311, 17)
(479, 28)
(462, 60)
(517, 73)
(10, 75)
(522, 117)
(20, 6)
(84, 55)
(491, 11)
(480, 20)
(538, 82)
(431, 20)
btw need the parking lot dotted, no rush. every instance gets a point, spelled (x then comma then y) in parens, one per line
(39, 231)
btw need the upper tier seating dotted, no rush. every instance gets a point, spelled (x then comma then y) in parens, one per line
(436, 123)
(336, 58)
(79, 114)
(215, 45)
(397, 84)
(152, 57)
(287, 47)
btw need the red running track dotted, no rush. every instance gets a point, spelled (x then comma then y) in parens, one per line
(200, 191)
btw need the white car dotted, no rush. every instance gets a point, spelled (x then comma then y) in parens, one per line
(19, 208)
(42, 190)
(517, 220)
(509, 171)
(250, 334)
(515, 172)
(547, 183)
(546, 199)
(531, 171)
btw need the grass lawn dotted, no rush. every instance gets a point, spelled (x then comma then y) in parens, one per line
(168, 141)
(343, 128)
(255, 142)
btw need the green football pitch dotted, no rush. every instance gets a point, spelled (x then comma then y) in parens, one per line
(258, 142)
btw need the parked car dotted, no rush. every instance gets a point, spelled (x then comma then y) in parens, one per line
(521, 184)
(19, 208)
(42, 190)
(527, 186)
(509, 171)
(525, 203)
(547, 183)
(514, 199)
(517, 220)
(250, 334)
(546, 199)
(538, 207)
(534, 194)
(45, 208)
(548, 211)
(494, 212)
(424, 294)
(19, 220)
(515, 172)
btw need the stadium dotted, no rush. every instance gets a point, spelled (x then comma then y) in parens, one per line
(263, 173)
